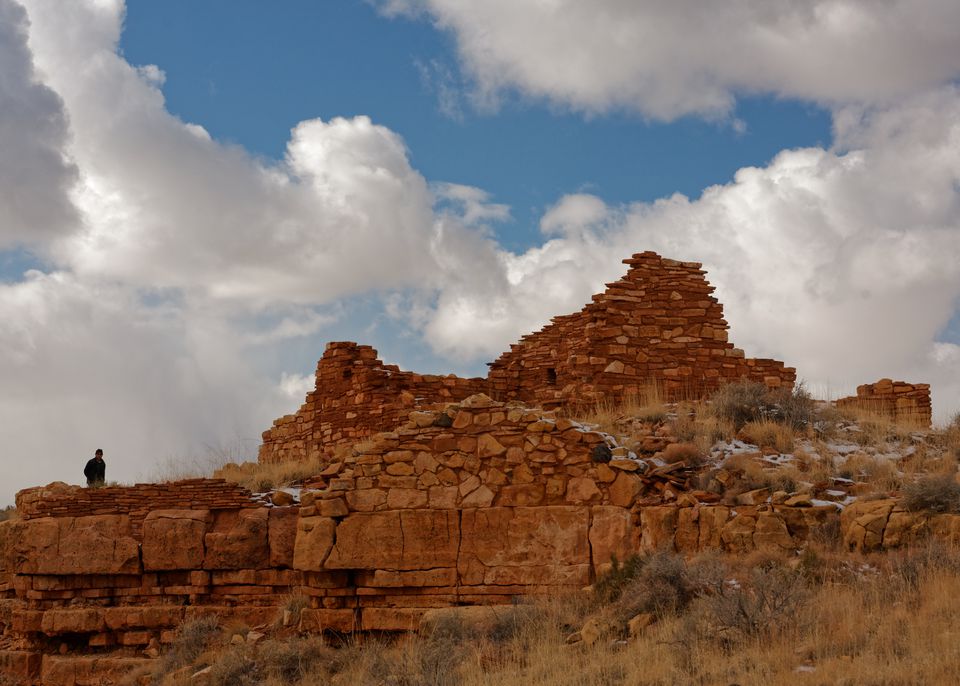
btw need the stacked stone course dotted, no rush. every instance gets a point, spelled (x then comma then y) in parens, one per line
(356, 395)
(658, 325)
(898, 401)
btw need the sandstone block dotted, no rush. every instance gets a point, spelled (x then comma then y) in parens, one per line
(406, 498)
(95, 544)
(521, 495)
(366, 500)
(239, 540)
(397, 539)
(658, 526)
(612, 534)
(501, 544)
(625, 489)
(173, 539)
(282, 534)
(582, 490)
(313, 543)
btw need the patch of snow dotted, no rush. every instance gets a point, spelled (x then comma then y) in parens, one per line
(821, 503)
(844, 448)
(836, 494)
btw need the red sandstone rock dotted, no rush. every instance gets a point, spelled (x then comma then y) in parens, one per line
(400, 540)
(314, 540)
(545, 545)
(173, 539)
(98, 544)
(238, 540)
(282, 535)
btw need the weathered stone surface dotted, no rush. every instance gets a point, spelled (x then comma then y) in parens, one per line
(862, 523)
(582, 490)
(737, 533)
(688, 529)
(282, 535)
(96, 544)
(658, 527)
(711, 521)
(525, 545)
(904, 528)
(173, 539)
(239, 540)
(770, 533)
(398, 539)
(314, 541)
(612, 534)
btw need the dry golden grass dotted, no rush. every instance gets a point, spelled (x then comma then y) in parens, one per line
(646, 405)
(769, 434)
(825, 618)
(264, 477)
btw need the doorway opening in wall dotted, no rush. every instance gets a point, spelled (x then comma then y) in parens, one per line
(552, 376)
(347, 373)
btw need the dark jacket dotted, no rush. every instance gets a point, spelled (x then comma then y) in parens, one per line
(95, 471)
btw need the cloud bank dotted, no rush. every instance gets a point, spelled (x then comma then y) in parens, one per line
(180, 268)
(669, 59)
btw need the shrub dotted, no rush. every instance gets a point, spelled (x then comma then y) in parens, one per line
(192, 639)
(748, 401)
(937, 493)
(768, 434)
(236, 667)
(740, 402)
(682, 452)
(763, 607)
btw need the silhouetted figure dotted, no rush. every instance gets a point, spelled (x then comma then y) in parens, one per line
(96, 470)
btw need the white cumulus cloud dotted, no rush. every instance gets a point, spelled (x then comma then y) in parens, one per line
(668, 59)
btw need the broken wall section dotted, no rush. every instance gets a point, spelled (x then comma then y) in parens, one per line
(658, 325)
(355, 396)
(898, 401)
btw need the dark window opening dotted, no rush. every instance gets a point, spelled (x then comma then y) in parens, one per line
(552, 376)
(347, 373)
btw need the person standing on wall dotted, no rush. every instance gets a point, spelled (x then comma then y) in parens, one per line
(96, 470)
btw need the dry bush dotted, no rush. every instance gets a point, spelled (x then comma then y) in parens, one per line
(766, 433)
(936, 493)
(880, 474)
(191, 640)
(682, 452)
(760, 608)
(740, 402)
(694, 424)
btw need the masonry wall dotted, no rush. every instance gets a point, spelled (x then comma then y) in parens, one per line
(659, 324)
(355, 396)
(898, 401)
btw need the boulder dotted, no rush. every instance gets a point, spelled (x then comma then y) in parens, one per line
(173, 539)
(862, 523)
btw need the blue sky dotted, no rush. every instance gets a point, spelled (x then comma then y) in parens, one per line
(249, 71)
(196, 196)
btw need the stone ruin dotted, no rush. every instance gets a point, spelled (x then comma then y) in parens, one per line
(657, 326)
(432, 492)
(480, 503)
(898, 401)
